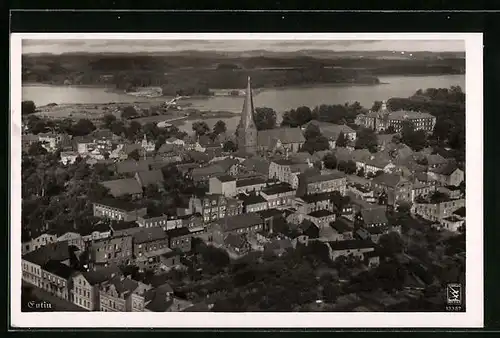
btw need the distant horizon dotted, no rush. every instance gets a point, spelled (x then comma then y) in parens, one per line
(128, 46)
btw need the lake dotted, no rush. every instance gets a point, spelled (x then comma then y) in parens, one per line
(278, 99)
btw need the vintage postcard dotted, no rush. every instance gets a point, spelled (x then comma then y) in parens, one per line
(246, 180)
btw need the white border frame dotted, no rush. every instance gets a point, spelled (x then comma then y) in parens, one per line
(473, 317)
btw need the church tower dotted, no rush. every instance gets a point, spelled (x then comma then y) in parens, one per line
(247, 131)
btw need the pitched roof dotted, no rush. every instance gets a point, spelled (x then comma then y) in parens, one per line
(251, 199)
(279, 244)
(245, 182)
(240, 221)
(226, 163)
(342, 225)
(178, 232)
(149, 235)
(460, 212)
(166, 148)
(123, 284)
(122, 187)
(378, 161)
(102, 274)
(157, 300)
(150, 177)
(118, 204)
(207, 171)
(446, 169)
(390, 180)
(351, 244)
(333, 175)
(59, 269)
(321, 213)
(373, 216)
(226, 178)
(265, 138)
(57, 251)
(132, 166)
(312, 198)
(257, 164)
(278, 189)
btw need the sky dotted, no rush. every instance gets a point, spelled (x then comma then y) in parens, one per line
(124, 46)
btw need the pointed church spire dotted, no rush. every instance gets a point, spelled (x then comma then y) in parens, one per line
(248, 109)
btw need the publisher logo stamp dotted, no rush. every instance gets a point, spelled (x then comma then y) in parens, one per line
(454, 294)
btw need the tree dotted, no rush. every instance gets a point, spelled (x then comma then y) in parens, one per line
(134, 154)
(264, 118)
(219, 128)
(133, 130)
(330, 161)
(376, 106)
(367, 139)
(108, 120)
(229, 146)
(415, 139)
(200, 128)
(316, 144)
(118, 128)
(297, 117)
(404, 207)
(350, 167)
(312, 131)
(129, 112)
(391, 242)
(361, 172)
(82, 127)
(36, 149)
(341, 140)
(28, 107)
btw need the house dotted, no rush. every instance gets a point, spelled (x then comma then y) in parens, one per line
(283, 170)
(313, 202)
(131, 166)
(27, 140)
(344, 228)
(230, 166)
(205, 173)
(51, 141)
(436, 212)
(180, 238)
(278, 195)
(422, 190)
(372, 233)
(148, 221)
(37, 242)
(122, 228)
(253, 202)
(378, 162)
(354, 248)
(161, 299)
(122, 187)
(122, 294)
(385, 140)
(56, 279)
(116, 209)
(288, 139)
(375, 217)
(250, 184)
(85, 292)
(113, 250)
(396, 188)
(452, 223)
(321, 217)
(215, 206)
(313, 184)
(68, 157)
(148, 146)
(148, 246)
(452, 191)
(73, 239)
(448, 174)
(97, 231)
(332, 131)
(436, 161)
(223, 184)
(237, 244)
(256, 165)
(33, 262)
(241, 224)
(150, 177)
(362, 192)
(170, 258)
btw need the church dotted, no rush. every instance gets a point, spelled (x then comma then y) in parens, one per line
(252, 141)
